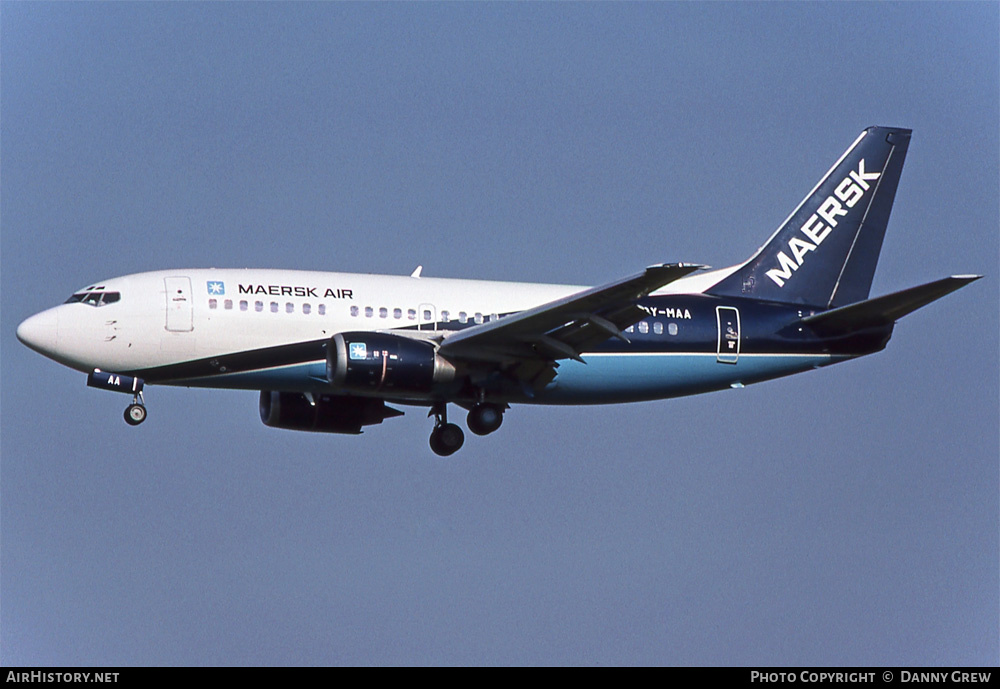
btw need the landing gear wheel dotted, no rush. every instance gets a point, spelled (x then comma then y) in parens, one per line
(484, 418)
(447, 439)
(135, 414)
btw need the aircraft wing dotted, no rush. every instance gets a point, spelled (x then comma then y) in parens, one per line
(530, 342)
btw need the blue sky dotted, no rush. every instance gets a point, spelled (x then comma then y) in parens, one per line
(843, 516)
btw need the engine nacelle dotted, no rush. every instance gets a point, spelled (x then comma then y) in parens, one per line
(325, 414)
(383, 364)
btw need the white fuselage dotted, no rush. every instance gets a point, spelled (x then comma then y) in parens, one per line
(155, 325)
(183, 327)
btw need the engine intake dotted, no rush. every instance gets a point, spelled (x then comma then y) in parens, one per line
(379, 363)
(325, 414)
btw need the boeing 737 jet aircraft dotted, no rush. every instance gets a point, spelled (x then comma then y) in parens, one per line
(331, 351)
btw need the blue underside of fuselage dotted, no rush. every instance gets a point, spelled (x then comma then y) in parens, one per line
(605, 378)
(636, 377)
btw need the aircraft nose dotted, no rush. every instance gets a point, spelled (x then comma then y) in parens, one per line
(40, 332)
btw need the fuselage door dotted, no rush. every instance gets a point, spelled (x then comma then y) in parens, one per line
(728, 350)
(427, 317)
(180, 313)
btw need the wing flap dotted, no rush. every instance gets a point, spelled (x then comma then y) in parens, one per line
(564, 328)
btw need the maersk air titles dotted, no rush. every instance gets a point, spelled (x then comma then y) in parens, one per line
(330, 352)
(297, 291)
(821, 223)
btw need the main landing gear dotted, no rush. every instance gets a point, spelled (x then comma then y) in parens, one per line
(448, 438)
(484, 418)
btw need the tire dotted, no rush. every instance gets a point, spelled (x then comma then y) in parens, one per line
(446, 440)
(135, 414)
(485, 418)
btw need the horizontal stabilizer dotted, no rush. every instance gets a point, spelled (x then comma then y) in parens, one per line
(887, 309)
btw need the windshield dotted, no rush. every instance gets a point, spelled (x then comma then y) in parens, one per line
(94, 298)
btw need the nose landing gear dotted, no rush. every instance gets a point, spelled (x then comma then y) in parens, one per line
(135, 413)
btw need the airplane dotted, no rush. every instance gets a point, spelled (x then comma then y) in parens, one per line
(330, 352)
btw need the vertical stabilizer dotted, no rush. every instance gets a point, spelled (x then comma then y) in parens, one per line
(825, 253)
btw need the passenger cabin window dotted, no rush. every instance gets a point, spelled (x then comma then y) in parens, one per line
(643, 327)
(322, 309)
(672, 328)
(658, 328)
(289, 307)
(228, 304)
(306, 308)
(354, 311)
(258, 306)
(463, 317)
(243, 305)
(213, 303)
(274, 307)
(411, 314)
(383, 312)
(397, 313)
(369, 312)
(445, 316)
(427, 315)
(94, 298)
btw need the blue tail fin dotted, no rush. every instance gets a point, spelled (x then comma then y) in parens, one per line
(825, 253)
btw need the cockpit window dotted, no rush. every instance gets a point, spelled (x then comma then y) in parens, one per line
(95, 298)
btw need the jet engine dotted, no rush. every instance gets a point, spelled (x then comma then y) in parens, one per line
(323, 413)
(383, 364)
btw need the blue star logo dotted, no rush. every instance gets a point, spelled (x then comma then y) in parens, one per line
(359, 350)
(215, 287)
